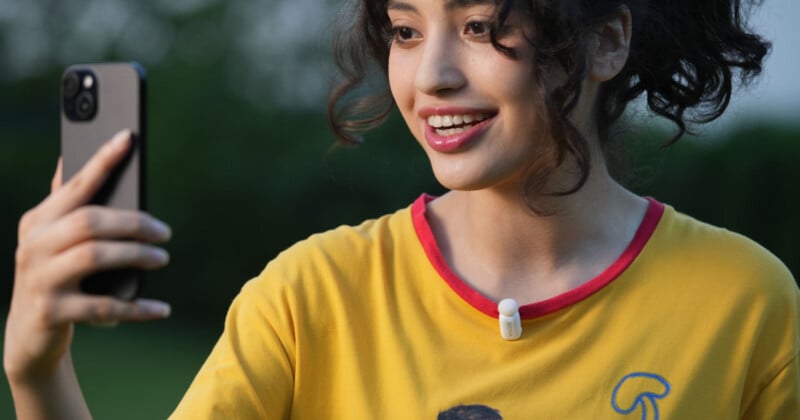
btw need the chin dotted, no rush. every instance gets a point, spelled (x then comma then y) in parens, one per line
(465, 180)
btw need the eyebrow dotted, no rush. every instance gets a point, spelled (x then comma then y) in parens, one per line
(449, 5)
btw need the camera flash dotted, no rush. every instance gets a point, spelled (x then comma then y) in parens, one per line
(88, 81)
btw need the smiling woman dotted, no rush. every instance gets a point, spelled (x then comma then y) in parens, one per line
(444, 68)
(683, 56)
(537, 287)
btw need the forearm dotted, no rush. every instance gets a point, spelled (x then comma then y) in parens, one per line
(55, 395)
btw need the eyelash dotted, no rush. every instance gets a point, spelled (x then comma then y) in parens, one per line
(477, 29)
(484, 26)
(397, 34)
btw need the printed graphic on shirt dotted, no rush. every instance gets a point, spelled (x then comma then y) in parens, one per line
(640, 392)
(470, 412)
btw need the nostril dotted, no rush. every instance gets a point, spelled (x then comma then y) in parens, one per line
(439, 76)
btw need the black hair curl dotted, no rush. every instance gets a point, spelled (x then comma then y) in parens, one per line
(684, 56)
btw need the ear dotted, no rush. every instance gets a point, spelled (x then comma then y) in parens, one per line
(609, 46)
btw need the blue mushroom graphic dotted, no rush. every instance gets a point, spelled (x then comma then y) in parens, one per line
(640, 391)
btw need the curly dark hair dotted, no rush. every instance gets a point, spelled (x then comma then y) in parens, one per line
(684, 56)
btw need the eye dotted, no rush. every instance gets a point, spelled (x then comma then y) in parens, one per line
(403, 34)
(478, 29)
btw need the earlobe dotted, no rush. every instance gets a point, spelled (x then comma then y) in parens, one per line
(609, 47)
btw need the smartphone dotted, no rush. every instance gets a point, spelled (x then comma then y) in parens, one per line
(97, 101)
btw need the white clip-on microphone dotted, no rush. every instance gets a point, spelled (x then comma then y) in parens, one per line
(510, 323)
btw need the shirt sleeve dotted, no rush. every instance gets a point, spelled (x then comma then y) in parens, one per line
(780, 398)
(249, 373)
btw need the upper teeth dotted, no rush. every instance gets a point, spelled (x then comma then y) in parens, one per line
(439, 121)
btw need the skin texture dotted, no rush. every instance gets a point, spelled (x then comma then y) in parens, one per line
(60, 241)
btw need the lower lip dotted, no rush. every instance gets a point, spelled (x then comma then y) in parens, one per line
(449, 144)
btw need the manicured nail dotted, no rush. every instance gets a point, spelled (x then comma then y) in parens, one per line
(154, 307)
(161, 229)
(120, 139)
(161, 256)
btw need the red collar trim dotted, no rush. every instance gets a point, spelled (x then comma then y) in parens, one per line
(654, 212)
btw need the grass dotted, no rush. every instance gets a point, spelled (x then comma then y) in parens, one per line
(134, 371)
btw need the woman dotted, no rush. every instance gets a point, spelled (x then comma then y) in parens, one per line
(628, 308)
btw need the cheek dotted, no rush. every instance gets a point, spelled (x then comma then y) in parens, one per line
(523, 91)
(401, 80)
(510, 81)
(401, 84)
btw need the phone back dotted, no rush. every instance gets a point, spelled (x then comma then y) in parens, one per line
(118, 91)
(97, 101)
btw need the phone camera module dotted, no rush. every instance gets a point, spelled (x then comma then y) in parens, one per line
(79, 95)
(71, 84)
(84, 106)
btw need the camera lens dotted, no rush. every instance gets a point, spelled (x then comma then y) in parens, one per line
(71, 84)
(85, 106)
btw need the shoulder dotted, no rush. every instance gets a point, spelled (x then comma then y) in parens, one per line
(701, 267)
(338, 258)
(725, 279)
(323, 282)
(718, 253)
(347, 244)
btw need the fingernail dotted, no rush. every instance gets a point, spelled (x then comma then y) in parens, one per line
(161, 229)
(161, 256)
(155, 307)
(120, 139)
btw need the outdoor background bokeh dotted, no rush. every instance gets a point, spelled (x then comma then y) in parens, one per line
(241, 164)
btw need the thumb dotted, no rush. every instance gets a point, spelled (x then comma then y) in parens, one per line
(57, 177)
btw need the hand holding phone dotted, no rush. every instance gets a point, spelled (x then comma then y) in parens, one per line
(99, 100)
(60, 241)
(91, 223)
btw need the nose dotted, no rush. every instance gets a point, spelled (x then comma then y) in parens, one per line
(440, 71)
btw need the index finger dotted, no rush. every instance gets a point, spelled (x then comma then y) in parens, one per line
(79, 190)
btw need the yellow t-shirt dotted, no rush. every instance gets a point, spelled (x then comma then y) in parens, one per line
(368, 322)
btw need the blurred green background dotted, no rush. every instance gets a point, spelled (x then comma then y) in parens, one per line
(242, 165)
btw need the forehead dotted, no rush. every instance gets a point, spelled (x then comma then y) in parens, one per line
(448, 4)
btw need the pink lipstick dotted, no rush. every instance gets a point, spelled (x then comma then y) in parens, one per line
(448, 130)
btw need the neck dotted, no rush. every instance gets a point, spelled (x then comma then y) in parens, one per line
(496, 243)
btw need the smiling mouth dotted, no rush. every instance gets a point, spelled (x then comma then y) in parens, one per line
(448, 125)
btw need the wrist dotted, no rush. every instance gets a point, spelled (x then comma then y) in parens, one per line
(20, 375)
